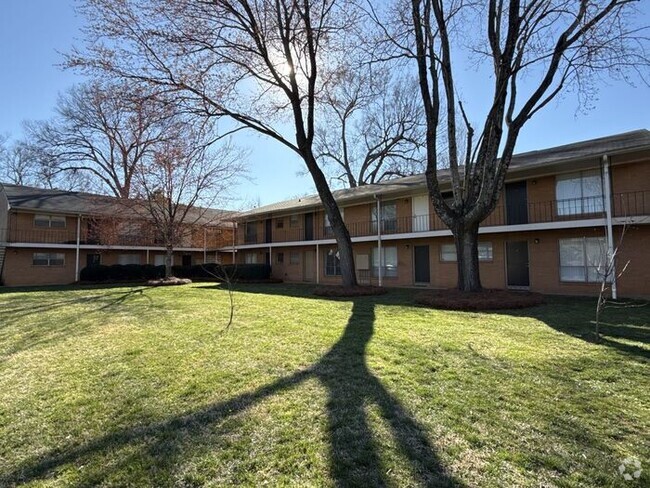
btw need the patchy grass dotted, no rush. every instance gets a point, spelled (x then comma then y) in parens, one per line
(486, 299)
(142, 387)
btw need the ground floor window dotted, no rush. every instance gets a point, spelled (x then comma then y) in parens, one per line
(583, 259)
(93, 260)
(332, 263)
(48, 259)
(294, 257)
(250, 258)
(159, 260)
(128, 259)
(279, 258)
(448, 252)
(388, 262)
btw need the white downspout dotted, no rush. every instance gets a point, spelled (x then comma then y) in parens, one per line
(608, 213)
(317, 266)
(379, 220)
(76, 268)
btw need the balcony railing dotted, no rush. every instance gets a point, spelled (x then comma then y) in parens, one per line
(623, 205)
(141, 239)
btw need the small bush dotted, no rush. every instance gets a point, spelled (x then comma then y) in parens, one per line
(482, 300)
(144, 272)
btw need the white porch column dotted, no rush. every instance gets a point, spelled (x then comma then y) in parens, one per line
(607, 190)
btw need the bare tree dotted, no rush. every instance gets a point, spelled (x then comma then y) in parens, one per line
(372, 129)
(101, 132)
(535, 49)
(176, 188)
(258, 63)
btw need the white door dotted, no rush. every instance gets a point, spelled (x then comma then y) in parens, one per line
(420, 213)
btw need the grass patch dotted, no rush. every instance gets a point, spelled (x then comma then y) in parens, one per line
(142, 387)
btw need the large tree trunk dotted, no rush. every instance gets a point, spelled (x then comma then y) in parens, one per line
(466, 240)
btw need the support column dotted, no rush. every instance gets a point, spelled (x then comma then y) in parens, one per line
(77, 251)
(317, 265)
(607, 190)
(147, 256)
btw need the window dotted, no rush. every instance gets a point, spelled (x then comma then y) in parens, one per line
(332, 263)
(326, 223)
(388, 217)
(389, 262)
(279, 258)
(251, 233)
(250, 258)
(159, 260)
(293, 221)
(579, 193)
(49, 221)
(583, 259)
(448, 252)
(48, 259)
(279, 224)
(294, 257)
(128, 259)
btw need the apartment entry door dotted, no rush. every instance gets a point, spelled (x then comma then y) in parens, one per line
(517, 264)
(420, 209)
(309, 226)
(421, 270)
(309, 266)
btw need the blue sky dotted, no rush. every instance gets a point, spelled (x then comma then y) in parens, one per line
(33, 32)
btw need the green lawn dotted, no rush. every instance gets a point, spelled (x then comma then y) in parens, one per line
(143, 387)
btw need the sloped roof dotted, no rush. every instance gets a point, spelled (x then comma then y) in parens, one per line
(583, 150)
(81, 203)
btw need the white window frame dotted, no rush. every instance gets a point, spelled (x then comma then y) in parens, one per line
(294, 257)
(388, 224)
(48, 220)
(250, 258)
(390, 262)
(591, 266)
(580, 204)
(130, 258)
(485, 252)
(332, 263)
(51, 259)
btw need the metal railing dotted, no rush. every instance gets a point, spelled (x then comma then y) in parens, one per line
(623, 205)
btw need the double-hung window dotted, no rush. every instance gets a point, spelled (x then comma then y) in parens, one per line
(388, 217)
(579, 193)
(49, 221)
(388, 262)
(251, 233)
(332, 263)
(448, 252)
(583, 259)
(328, 226)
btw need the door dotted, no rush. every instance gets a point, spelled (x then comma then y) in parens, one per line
(420, 207)
(308, 266)
(268, 231)
(93, 260)
(187, 260)
(421, 269)
(517, 263)
(309, 226)
(516, 203)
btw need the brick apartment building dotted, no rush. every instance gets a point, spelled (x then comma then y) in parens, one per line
(48, 236)
(561, 210)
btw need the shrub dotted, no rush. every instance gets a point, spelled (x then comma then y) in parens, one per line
(144, 272)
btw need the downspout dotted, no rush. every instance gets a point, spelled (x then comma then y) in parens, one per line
(76, 268)
(378, 199)
(608, 214)
(317, 266)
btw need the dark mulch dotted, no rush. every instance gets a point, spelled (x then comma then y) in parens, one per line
(453, 299)
(169, 282)
(357, 291)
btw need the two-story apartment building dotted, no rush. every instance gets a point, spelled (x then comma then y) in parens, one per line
(48, 236)
(561, 211)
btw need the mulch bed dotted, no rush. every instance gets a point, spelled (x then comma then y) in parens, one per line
(357, 291)
(452, 299)
(169, 282)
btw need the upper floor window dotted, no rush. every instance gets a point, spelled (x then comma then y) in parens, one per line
(279, 224)
(251, 233)
(49, 221)
(293, 221)
(579, 193)
(48, 259)
(388, 217)
(583, 259)
(327, 225)
(332, 263)
(448, 252)
(388, 262)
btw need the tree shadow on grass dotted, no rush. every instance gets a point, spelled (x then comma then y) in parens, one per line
(355, 459)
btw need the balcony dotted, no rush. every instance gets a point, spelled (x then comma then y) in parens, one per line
(214, 239)
(623, 205)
